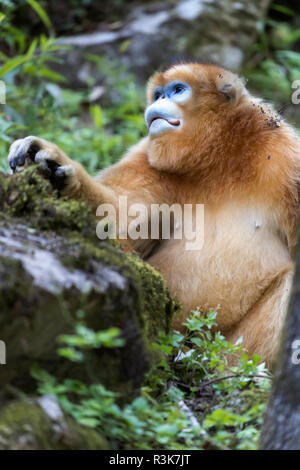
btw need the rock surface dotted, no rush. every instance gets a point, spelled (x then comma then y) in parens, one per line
(41, 425)
(52, 266)
(159, 32)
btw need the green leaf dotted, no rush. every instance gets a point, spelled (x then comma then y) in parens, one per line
(89, 422)
(71, 354)
(97, 116)
(54, 76)
(41, 375)
(197, 341)
(41, 13)
(31, 49)
(12, 64)
(283, 9)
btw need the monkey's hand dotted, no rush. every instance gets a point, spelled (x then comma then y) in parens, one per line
(53, 163)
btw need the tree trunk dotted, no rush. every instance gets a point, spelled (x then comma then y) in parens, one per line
(281, 429)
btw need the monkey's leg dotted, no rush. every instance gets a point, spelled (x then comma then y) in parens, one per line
(65, 174)
(261, 327)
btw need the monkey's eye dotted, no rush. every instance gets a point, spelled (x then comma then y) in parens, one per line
(179, 92)
(157, 95)
(178, 89)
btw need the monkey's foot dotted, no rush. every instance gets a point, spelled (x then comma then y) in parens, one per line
(52, 162)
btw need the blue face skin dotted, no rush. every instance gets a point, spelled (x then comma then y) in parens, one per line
(175, 91)
(164, 114)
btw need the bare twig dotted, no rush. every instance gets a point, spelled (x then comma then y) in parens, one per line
(233, 376)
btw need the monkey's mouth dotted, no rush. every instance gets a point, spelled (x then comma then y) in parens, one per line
(172, 122)
(163, 117)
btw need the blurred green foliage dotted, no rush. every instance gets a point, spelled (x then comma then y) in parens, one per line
(72, 16)
(274, 61)
(39, 102)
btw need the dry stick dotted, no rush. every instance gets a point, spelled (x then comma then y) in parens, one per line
(218, 379)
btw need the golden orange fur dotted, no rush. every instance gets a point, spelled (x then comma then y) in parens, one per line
(234, 156)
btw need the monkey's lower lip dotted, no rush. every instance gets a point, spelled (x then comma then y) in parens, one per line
(173, 122)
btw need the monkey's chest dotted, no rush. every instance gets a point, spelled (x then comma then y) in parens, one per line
(241, 253)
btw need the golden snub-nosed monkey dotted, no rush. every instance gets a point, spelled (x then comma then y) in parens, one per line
(209, 142)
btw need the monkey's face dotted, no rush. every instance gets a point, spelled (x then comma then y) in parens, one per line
(165, 114)
(186, 111)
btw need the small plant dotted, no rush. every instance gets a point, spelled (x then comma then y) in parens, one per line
(192, 399)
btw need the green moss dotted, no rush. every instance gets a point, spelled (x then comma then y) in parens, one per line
(157, 305)
(30, 197)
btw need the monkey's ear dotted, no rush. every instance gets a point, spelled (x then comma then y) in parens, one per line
(231, 86)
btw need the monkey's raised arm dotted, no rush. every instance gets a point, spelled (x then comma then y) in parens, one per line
(127, 177)
(132, 177)
(65, 174)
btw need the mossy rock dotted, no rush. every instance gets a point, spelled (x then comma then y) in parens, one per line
(26, 425)
(52, 265)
